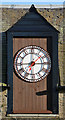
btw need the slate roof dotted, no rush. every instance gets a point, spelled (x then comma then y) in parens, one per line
(32, 21)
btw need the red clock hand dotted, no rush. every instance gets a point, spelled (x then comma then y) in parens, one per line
(34, 62)
(38, 58)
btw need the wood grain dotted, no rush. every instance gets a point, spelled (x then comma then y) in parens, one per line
(25, 99)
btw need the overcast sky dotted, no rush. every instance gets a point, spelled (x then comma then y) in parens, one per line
(32, 1)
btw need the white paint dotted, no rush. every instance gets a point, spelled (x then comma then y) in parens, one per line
(33, 115)
(28, 6)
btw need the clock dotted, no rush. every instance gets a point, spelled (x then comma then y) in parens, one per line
(32, 63)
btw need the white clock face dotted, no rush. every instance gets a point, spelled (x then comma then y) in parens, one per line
(32, 63)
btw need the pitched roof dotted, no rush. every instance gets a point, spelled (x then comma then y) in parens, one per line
(32, 21)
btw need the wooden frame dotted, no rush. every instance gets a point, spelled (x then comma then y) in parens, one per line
(54, 54)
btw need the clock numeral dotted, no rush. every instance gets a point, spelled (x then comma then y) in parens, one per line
(39, 74)
(43, 56)
(45, 63)
(23, 74)
(42, 73)
(26, 52)
(21, 57)
(33, 76)
(26, 74)
(21, 70)
(32, 50)
(36, 76)
(44, 69)
(19, 64)
(19, 60)
(38, 52)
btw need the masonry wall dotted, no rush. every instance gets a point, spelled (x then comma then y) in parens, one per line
(56, 17)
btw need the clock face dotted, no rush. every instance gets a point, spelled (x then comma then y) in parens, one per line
(32, 63)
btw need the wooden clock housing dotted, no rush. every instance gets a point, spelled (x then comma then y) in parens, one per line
(24, 97)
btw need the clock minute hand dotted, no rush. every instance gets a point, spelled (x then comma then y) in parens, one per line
(34, 62)
(38, 58)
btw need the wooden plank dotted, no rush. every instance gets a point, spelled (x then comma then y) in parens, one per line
(31, 28)
(32, 15)
(30, 22)
(30, 19)
(45, 111)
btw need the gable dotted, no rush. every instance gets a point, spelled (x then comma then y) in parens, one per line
(32, 22)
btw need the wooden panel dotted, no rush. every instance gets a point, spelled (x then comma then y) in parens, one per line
(31, 28)
(4, 58)
(25, 99)
(30, 22)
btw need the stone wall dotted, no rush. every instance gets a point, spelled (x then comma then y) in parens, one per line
(55, 16)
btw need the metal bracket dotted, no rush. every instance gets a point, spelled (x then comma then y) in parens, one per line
(4, 86)
(60, 88)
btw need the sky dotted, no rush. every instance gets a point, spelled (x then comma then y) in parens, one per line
(31, 1)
